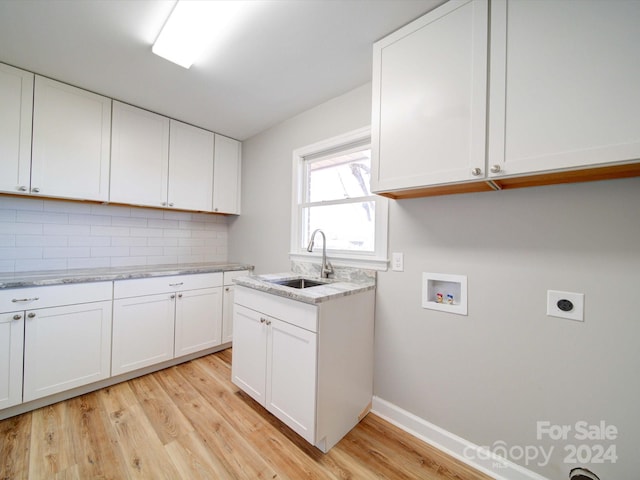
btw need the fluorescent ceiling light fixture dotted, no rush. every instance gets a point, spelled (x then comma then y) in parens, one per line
(193, 26)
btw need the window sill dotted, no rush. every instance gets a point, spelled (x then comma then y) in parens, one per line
(371, 263)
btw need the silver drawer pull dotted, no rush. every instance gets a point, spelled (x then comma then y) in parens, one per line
(16, 300)
(176, 284)
(31, 315)
(17, 317)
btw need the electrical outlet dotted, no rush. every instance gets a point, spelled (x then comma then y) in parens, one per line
(565, 305)
(397, 262)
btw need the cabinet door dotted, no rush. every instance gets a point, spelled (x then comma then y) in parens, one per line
(66, 347)
(190, 167)
(198, 320)
(248, 368)
(429, 99)
(291, 377)
(140, 156)
(143, 332)
(564, 84)
(71, 142)
(226, 175)
(227, 314)
(11, 355)
(16, 98)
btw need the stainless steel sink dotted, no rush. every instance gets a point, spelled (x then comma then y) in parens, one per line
(299, 283)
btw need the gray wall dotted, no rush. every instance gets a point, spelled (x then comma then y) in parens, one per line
(489, 376)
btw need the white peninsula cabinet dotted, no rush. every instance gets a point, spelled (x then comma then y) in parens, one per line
(16, 98)
(309, 365)
(67, 337)
(158, 319)
(429, 99)
(71, 142)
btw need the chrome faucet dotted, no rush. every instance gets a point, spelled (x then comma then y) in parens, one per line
(326, 269)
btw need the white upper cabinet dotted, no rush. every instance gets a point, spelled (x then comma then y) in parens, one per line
(429, 99)
(16, 98)
(139, 156)
(564, 85)
(190, 167)
(71, 142)
(226, 175)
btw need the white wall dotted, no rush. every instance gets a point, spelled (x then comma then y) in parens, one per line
(491, 375)
(41, 234)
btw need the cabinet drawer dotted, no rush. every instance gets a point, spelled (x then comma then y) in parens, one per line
(54, 295)
(174, 283)
(300, 314)
(229, 276)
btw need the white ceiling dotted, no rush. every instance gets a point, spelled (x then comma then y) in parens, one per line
(285, 57)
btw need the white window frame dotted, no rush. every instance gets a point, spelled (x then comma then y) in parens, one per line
(377, 260)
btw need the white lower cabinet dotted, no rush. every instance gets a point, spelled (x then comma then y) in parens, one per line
(227, 303)
(66, 347)
(11, 355)
(143, 331)
(309, 365)
(198, 320)
(66, 334)
(158, 319)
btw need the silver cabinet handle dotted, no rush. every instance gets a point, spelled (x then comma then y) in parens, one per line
(17, 316)
(35, 190)
(179, 295)
(22, 188)
(173, 295)
(495, 169)
(176, 284)
(262, 320)
(476, 172)
(268, 322)
(16, 300)
(164, 204)
(31, 315)
(171, 204)
(215, 209)
(227, 289)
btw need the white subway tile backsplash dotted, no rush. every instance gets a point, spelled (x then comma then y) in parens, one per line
(129, 241)
(20, 228)
(110, 231)
(89, 241)
(7, 240)
(66, 252)
(163, 223)
(129, 222)
(22, 203)
(54, 229)
(41, 241)
(100, 262)
(84, 218)
(62, 206)
(39, 234)
(109, 251)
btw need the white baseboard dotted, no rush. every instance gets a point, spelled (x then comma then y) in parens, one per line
(481, 459)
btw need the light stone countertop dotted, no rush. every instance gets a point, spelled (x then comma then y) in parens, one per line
(60, 277)
(346, 281)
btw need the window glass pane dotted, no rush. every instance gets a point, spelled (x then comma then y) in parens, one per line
(349, 226)
(338, 177)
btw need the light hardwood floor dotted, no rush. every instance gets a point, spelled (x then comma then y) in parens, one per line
(190, 422)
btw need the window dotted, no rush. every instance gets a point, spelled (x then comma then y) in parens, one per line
(331, 192)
